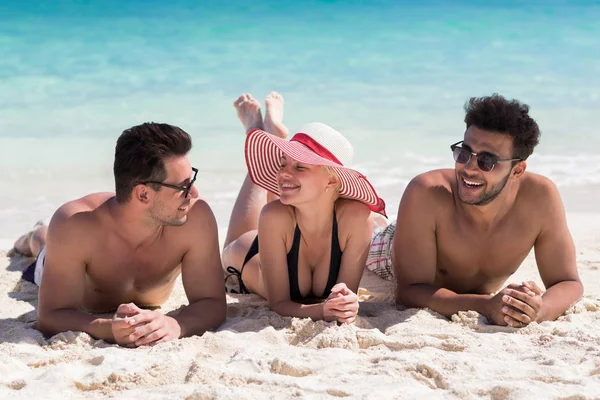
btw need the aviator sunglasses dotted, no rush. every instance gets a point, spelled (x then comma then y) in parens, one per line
(485, 161)
(185, 189)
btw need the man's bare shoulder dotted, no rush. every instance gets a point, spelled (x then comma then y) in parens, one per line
(86, 204)
(76, 223)
(539, 193)
(432, 185)
(200, 215)
(536, 185)
(79, 213)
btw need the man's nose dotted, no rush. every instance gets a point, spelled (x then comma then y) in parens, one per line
(472, 163)
(193, 192)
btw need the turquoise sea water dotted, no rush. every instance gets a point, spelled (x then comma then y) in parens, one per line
(391, 75)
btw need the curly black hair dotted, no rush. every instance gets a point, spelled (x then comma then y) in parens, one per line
(496, 114)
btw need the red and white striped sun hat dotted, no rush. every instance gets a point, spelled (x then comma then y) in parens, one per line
(314, 144)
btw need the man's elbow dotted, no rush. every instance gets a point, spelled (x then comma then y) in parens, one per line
(221, 314)
(218, 315)
(410, 295)
(572, 287)
(45, 323)
(404, 297)
(578, 289)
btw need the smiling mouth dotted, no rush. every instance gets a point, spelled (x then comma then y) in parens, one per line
(471, 184)
(289, 186)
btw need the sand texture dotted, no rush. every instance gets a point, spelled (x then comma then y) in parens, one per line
(387, 353)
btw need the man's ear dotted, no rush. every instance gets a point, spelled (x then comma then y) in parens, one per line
(141, 193)
(519, 169)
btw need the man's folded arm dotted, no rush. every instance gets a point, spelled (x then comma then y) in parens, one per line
(555, 257)
(414, 256)
(62, 285)
(202, 276)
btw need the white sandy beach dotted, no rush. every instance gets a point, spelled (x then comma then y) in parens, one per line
(387, 353)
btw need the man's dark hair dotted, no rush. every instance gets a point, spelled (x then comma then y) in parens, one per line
(140, 154)
(496, 114)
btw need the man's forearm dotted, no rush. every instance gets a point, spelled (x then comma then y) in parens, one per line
(201, 316)
(558, 298)
(443, 301)
(53, 322)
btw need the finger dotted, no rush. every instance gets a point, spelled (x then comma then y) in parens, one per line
(533, 287)
(343, 314)
(513, 322)
(334, 295)
(345, 306)
(339, 287)
(164, 339)
(144, 330)
(516, 315)
(128, 308)
(350, 298)
(151, 337)
(348, 320)
(144, 317)
(122, 323)
(341, 310)
(513, 286)
(531, 301)
(526, 288)
(341, 303)
(519, 306)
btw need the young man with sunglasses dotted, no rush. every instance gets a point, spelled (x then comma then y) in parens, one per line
(121, 253)
(462, 233)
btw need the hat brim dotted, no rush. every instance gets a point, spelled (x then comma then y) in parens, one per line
(263, 153)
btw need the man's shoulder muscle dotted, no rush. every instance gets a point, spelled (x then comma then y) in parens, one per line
(201, 219)
(538, 186)
(430, 187)
(76, 217)
(86, 204)
(539, 201)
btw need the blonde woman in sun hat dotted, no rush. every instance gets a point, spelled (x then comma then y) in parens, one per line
(315, 230)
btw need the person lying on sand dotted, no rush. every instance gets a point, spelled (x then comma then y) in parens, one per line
(124, 251)
(314, 232)
(461, 233)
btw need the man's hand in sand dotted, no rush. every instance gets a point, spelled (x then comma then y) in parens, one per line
(515, 305)
(522, 304)
(134, 327)
(341, 305)
(124, 323)
(153, 327)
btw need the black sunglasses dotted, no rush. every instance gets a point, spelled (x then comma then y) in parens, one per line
(485, 161)
(185, 189)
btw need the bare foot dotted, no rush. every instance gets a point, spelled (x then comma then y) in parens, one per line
(248, 111)
(274, 115)
(22, 245)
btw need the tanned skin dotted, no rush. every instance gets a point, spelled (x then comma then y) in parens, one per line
(103, 256)
(451, 254)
